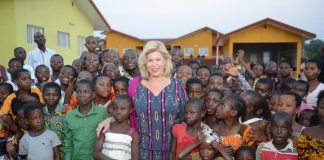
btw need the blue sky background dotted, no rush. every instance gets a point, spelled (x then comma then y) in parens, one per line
(174, 18)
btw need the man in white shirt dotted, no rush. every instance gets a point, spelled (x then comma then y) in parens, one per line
(41, 54)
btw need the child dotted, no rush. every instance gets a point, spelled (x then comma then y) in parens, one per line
(216, 81)
(285, 70)
(290, 103)
(78, 65)
(273, 102)
(265, 87)
(286, 85)
(53, 118)
(305, 117)
(310, 144)
(301, 88)
(120, 141)
(185, 134)
(5, 90)
(130, 64)
(120, 85)
(111, 71)
(203, 74)
(280, 147)
(81, 123)
(13, 65)
(103, 89)
(212, 99)
(38, 142)
(194, 65)
(42, 74)
(233, 134)
(57, 63)
(194, 88)
(25, 93)
(84, 75)
(208, 151)
(244, 153)
(312, 71)
(184, 73)
(66, 79)
(20, 53)
(92, 64)
(91, 45)
(256, 108)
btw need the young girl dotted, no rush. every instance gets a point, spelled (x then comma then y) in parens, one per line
(120, 141)
(110, 70)
(121, 85)
(42, 73)
(311, 142)
(212, 99)
(233, 134)
(256, 109)
(103, 90)
(185, 134)
(195, 88)
(312, 71)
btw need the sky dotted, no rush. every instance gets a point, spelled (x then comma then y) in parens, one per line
(174, 18)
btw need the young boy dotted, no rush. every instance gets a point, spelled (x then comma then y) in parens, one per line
(91, 45)
(20, 53)
(265, 87)
(13, 65)
(184, 73)
(194, 88)
(57, 63)
(203, 74)
(301, 88)
(24, 94)
(54, 119)
(120, 85)
(42, 74)
(81, 123)
(215, 81)
(38, 143)
(280, 147)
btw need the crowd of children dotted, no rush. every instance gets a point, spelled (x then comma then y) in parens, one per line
(234, 111)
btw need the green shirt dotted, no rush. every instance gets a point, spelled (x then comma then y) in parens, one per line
(80, 133)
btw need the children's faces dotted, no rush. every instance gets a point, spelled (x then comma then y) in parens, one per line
(203, 74)
(195, 91)
(121, 110)
(263, 89)
(320, 110)
(130, 60)
(280, 131)
(42, 74)
(4, 92)
(111, 71)
(92, 62)
(284, 70)
(311, 71)
(66, 75)
(224, 109)
(184, 73)
(287, 104)
(245, 155)
(206, 151)
(103, 87)
(299, 89)
(35, 120)
(216, 82)
(52, 97)
(56, 63)
(24, 81)
(84, 94)
(193, 114)
(13, 66)
(120, 88)
(212, 100)
(304, 118)
(91, 44)
(84, 75)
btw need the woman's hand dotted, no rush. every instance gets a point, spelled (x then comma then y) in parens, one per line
(104, 125)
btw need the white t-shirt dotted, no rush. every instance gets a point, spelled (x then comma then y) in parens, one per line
(311, 98)
(37, 57)
(39, 147)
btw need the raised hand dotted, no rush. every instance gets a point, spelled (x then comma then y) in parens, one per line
(231, 70)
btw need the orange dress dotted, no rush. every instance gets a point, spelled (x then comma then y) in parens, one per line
(311, 148)
(244, 135)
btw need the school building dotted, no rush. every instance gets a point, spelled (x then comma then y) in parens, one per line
(65, 24)
(263, 41)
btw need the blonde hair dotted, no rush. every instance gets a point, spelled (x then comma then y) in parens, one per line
(149, 47)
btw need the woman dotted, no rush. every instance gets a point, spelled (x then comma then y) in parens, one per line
(166, 97)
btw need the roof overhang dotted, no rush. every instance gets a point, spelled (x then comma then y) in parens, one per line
(92, 12)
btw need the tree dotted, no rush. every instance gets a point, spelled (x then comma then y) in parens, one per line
(312, 48)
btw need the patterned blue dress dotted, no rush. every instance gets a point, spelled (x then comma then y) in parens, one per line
(155, 116)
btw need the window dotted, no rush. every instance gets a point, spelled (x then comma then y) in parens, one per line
(63, 40)
(188, 51)
(81, 42)
(203, 51)
(31, 30)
